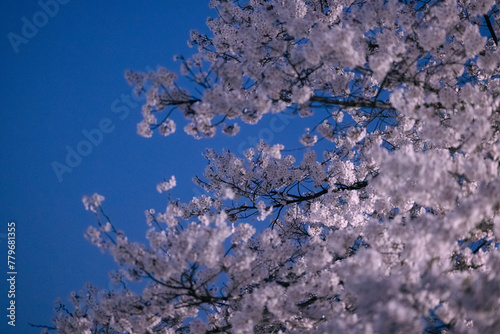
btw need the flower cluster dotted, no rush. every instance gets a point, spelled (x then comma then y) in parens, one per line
(394, 227)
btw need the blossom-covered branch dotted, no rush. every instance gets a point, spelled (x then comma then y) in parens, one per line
(393, 227)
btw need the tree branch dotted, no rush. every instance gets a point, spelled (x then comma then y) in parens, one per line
(490, 28)
(355, 103)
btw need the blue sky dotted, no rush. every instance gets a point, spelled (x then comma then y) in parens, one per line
(65, 79)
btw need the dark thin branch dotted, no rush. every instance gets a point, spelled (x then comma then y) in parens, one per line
(490, 28)
(353, 103)
(42, 326)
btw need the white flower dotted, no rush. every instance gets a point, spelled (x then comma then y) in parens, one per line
(167, 185)
(167, 127)
(307, 139)
(144, 129)
(302, 94)
(93, 202)
(263, 210)
(231, 130)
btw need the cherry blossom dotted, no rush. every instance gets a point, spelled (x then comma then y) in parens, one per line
(393, 227)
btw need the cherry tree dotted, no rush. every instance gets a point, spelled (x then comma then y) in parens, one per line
(392, 228)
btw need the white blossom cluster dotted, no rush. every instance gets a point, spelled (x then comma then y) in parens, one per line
(167, 185)
(394, 228)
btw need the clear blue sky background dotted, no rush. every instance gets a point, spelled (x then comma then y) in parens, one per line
(61, 82)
